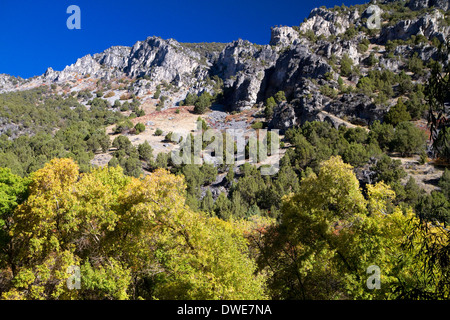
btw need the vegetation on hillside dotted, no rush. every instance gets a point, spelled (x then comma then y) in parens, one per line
(143, 227)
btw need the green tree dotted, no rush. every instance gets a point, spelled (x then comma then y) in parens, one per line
(397, 114)
(132, 239)
(329, 234)
(434, 207)
(162, 160)
(416, 105)
(269, 107)
(123, 143)
(444, 183)
(13, 191)
(408, 139)
(190, 100)
(145, 151)
(346, 66)
(372, 59)
(437, 95)
(207, 204)
(222, 206)
(203, 103)
(415, 64)
(356, 154)
(382, 134)
(388, 170)
(412, 192)
(280, 96)
(99, 140)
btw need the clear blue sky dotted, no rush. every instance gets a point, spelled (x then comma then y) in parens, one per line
(34, 36)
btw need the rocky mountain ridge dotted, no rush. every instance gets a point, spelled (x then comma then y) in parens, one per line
(300, 61)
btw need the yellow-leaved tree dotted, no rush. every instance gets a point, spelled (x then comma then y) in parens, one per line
(330, 235)
(129, 237)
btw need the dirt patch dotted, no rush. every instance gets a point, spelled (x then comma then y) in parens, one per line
(168, 120)
(101, 159)
(426, 175)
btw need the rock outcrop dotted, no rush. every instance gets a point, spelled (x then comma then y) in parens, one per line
(428, 25)
(8, 83)
(421, 4)
(325, 22)
(116, 57)
(243, 66)
(356, 108)
(162, 60)
(298, 60)
(292, 68)
(283, 36)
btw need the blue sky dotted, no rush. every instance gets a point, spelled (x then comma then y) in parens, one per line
(34, 36)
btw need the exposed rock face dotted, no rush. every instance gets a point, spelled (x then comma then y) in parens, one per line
(284, 117)
(389, 64)
(8, 82)
(324, 22)
(114, 57)
(306, 105)
(428, 26)
(252, 73)
(357, 108)
(292, 68)
(283, 36)
(339, 48)
(162, 60)
(421, 4)
(82, 67)
(243, 66)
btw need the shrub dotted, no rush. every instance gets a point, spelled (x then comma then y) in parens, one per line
(346, 66)
(117, 104)
(408, 139)
(109, 94)
(280, 96)
(140, 113)
(328, 91)
(203, 103)
(140, 127)
(125, 96)
(190, 99)
(257, 125)
(168, 137)
(125, 106)
(362, 48)
(372, 59)
(397, 114)
(158, 132)
(123, 126)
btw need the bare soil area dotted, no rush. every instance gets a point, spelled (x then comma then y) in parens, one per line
(426, 175)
